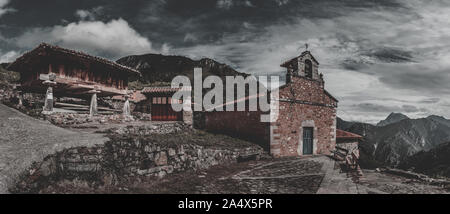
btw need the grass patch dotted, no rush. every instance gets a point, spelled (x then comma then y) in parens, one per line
(188, 136)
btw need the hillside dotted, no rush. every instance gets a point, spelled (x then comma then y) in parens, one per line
(393, 143)
(7, 78)
(435, 162)
(159, 69)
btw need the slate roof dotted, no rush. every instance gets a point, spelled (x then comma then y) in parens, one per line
(150, 90)
(45, 47)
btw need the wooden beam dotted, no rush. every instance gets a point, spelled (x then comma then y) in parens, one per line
(84, 106)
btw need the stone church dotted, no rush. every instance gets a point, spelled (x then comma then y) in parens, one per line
(306, 123)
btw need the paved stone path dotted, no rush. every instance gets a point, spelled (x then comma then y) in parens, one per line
(24, 139)
(291, 175)
(308, 175)
(336, 182)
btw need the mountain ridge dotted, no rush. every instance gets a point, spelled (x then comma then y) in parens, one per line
(392, 118)
(393, 143)
(158, 68)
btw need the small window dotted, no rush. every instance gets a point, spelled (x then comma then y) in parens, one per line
(308, 68)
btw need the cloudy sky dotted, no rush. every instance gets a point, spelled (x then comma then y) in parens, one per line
(377, 56)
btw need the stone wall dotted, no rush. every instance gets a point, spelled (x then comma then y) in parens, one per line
(351, 145)
(125, 157)
(68, 119)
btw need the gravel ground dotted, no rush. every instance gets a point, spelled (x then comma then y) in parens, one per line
(24, 139)
(384, 183)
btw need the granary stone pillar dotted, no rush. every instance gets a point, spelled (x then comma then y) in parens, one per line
(126, 111)
(48, 103)
(20, 98)
(93, 107)
(188, 115)
(19, 95)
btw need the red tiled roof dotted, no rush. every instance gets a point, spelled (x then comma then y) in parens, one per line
(150, 90)
(347, 135)
(44, 46)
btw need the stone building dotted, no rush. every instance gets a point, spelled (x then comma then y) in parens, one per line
(61, 72)
(306, 124)
(158, 104)
(76, 73)
(348, 141)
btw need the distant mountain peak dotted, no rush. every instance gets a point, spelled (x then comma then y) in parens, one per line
(436, 117)
(392, 118)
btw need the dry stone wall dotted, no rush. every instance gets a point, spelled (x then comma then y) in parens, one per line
(125, 157)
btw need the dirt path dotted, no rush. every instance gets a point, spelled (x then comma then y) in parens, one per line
(24, 139)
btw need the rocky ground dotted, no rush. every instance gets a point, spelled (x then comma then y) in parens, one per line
(274, 176)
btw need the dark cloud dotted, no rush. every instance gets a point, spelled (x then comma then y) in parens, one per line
(355, 65)
(390, 55)
(430, 100)
(389, 52)
(371, 107)
(418, 78)
(168, 21)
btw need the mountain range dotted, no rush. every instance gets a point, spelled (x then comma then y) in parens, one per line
(160, 69)
(397, 138)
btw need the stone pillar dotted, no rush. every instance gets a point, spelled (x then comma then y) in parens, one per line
(48, 103)
(93, 107)
(20, 97)
(126, 111)
(188, 115)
